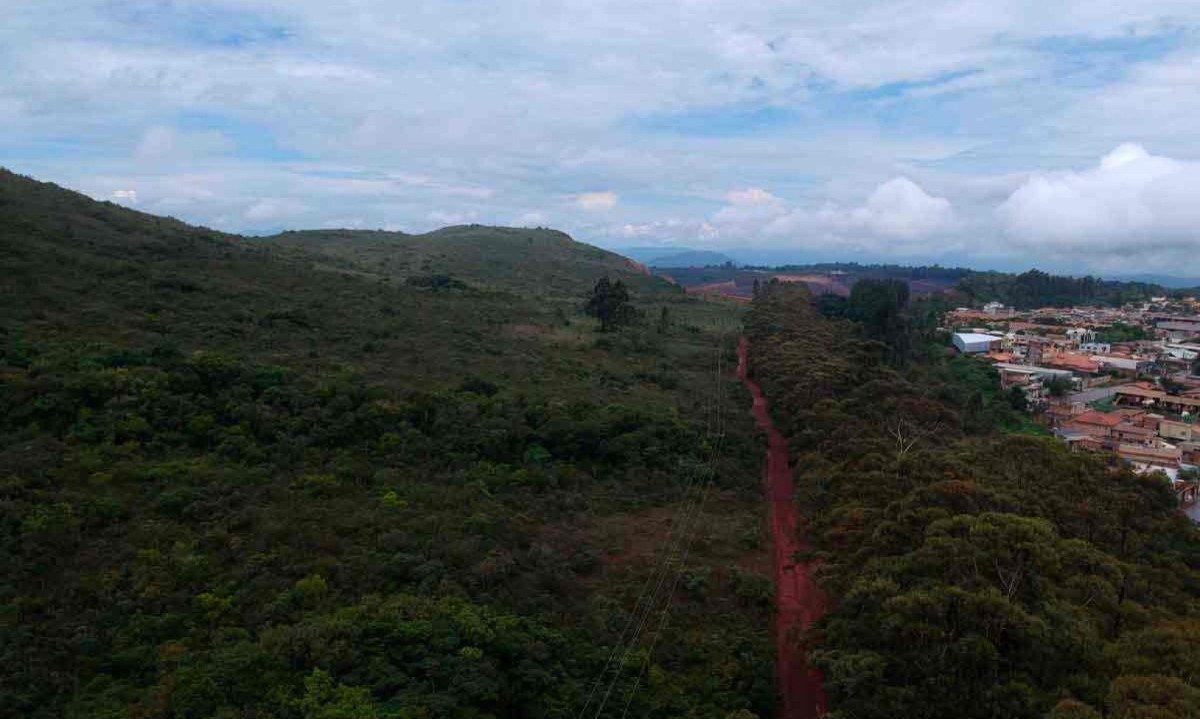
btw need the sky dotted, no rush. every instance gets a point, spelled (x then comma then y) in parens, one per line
(989, 133)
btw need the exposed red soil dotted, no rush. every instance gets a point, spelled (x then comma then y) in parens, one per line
(798, 601)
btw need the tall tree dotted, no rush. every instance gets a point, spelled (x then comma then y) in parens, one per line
(609, 302)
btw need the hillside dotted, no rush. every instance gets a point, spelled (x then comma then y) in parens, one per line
(279, 477)
(974, 569)
(488, 257)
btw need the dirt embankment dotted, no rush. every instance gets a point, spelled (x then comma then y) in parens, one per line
(798, 601)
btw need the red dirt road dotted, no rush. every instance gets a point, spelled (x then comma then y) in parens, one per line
(798, 601)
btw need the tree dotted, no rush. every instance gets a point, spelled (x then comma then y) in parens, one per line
(609, 302)
(879, 306)
(1058, 386)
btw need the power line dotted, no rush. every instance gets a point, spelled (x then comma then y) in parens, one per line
(689, 513)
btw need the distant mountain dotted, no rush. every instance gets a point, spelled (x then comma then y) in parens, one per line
(676, 256)
(1169, 281)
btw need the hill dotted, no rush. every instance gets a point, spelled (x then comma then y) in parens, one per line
(1171, 282)
(1035, 288)
(488, 257)
(303, 476)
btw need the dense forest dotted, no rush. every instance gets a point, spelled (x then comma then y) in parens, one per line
(1035, 288)
(976, 569)
(882, 271)
(302, 477)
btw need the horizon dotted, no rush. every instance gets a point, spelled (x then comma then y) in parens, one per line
(998, 136)
(644, 254)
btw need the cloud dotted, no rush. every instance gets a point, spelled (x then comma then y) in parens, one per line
(129, 196)
(164, 144)
(441, 218)
(805, 115)
(1131, 203)
(900, 208)
(532, 219)
(897, 213)
(752, 196)
(274, 210)
(596, 201)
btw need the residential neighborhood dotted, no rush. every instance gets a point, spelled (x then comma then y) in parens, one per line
(1120, 381)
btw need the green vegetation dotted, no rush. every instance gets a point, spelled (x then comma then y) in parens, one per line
(973, 571)
(308, 477)
(1058, 386)
(1121, 332)
(609, 303)
(1035, 288)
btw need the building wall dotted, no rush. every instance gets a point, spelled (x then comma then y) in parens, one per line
(1175, 430)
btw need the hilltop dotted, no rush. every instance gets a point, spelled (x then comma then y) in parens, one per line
(487, 257)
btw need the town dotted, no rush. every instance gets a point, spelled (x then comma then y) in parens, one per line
(1121, 381)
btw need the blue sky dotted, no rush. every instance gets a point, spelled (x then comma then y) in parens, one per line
(999, 134)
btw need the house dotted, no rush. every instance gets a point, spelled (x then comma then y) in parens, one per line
(1093, 423)
(1127, 366)
(1152, 456)
(973, 343)
(1077, 364)
(1161, 401)
(1095, 348)
(1127, 433)
(1171, 430)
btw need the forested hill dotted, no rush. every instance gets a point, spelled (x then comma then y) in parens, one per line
(1033, 289)
(975, 569)
(499, 257)
(301, 479)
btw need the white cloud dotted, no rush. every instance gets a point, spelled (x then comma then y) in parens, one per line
(468, 109)
(752, 196)
(898, 213)
(274, 210)
(900, 208)
(442, 218)
(129, 196)
(164, 144)
(532, 219)
(596, 201)
(1131, 203)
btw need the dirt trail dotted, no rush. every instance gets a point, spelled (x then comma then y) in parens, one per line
(798, 602)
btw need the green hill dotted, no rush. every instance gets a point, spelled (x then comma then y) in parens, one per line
(370, 475)
(492, 257)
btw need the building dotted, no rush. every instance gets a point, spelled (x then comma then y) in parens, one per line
(1167, 457)
(997, 309)
(1171, 430)
(1080, 335)
(1074, 363)
(973, 343)
(1093, 424)
(1125, 366)
(1159, 400)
